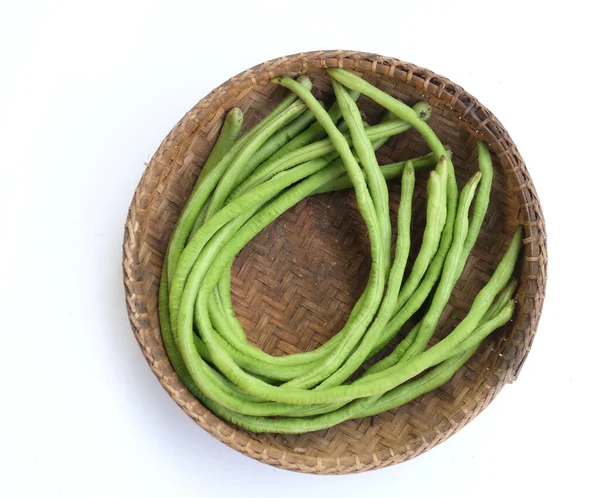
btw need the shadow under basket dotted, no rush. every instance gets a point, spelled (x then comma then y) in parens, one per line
(294, 285)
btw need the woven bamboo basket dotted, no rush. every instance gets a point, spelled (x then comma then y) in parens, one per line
(294, 285)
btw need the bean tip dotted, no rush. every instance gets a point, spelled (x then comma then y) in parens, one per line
(519, 231)
(235, 114)
(423, 110)
(442, 166)
(433, 184)
(305, 81)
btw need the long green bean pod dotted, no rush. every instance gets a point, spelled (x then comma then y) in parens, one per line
(246, 184)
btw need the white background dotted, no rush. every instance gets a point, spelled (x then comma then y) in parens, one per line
(87, 92)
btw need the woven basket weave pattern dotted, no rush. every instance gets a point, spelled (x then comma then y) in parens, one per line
(294, 285)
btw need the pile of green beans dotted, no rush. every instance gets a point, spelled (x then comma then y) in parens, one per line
(301, 149)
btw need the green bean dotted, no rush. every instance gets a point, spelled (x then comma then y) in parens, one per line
(431, 276)
(263, 408)
(400, 355)
(231, 177)
(314, 151)
(313, 429)
(451, 270)
(394, 394)
(234, 399)
(222, 383)
(292, 356)
(400, 109)
(444, 371)
(362, 352)
(351, 363)
(366, 156)
(423, 110)
(239, 207)
(278, 140)
(364, 407)
(376, 144)
(229, 133)
(417, 340)
(404, 312)
(432, 235)
(169, 340)
(404, 393)
(204, 189)
(424, 329)
(314, 133)
(389, 171)
(249, 357)
(339, 170)
(230, 329)
(270, 146)
(479, 210)
(418, 297)
(220, 306)
(395, 276)
(172, 351)
(431, 239)
(288, 357)
(410, 116)
(398, 352)
(237, 335)
(441, 373)
(376, 383)
(462, 338)
(258, 362)
(222, 326)
(229, 316)
(376, 184)
(354, 329)
(482, 201)
(345, 144)
(274, 144)
(407, 389)
(501, 300)
(248, 188)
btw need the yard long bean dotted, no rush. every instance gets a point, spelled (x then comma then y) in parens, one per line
(302, 149)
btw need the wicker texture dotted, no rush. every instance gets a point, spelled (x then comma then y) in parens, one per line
(294, 285)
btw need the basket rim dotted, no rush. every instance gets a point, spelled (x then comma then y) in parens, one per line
(483, 123)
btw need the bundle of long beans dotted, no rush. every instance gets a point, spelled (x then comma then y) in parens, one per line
(298, 150)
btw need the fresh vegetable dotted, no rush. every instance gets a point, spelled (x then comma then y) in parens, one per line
(301, 149)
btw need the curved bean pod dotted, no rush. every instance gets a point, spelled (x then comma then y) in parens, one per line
(234, 173)
(452, 269)
(238, 380)
(205, 188)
